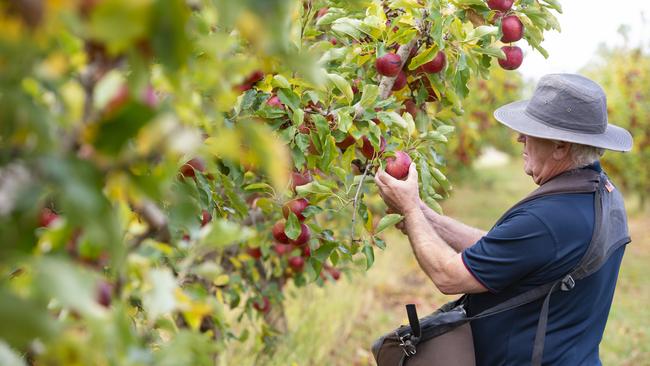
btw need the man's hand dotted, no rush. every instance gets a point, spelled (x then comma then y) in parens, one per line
(400, 196)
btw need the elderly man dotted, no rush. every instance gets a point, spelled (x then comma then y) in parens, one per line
(564, 131)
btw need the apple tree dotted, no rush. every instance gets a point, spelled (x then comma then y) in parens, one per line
(168, 166)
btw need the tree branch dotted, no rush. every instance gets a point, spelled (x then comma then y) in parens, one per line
(356, 200)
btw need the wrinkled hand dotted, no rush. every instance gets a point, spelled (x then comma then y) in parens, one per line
(400, 196)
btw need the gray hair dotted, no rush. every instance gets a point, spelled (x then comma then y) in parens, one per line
(584, 155)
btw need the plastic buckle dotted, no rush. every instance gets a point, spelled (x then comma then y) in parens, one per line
(568, 283)
(407, 346)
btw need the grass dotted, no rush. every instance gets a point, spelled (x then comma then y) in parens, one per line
(336, 325)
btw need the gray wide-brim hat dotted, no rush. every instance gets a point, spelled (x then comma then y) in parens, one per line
(566, 107)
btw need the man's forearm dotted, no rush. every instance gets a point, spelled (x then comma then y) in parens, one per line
(458, 235)
(431, 252)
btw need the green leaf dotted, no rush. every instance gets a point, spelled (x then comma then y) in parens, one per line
(392, 118)
(342, 85)
(482, 31)
(289, 98)
(491, 51)
(119, 127)
(24, 320)
(323, 252)
(345, 120)
(223, 233)
(423, 57)
(369, 96)
(281, 82)
(369, 252)
(170, 38)
(388, 221)
(312, 188)
(292, 227)
(259, 187)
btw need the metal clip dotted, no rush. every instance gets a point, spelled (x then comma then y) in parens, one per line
(407, 346)
(568, 283)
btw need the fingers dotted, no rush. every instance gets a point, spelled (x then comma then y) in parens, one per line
(413, 173)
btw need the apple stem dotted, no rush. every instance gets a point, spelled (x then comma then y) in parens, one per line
(356, 200)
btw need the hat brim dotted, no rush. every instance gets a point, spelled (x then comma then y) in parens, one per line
(514, 116)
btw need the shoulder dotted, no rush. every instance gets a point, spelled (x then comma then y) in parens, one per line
(559, 211)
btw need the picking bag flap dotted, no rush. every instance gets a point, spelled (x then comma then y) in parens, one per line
(445, 339)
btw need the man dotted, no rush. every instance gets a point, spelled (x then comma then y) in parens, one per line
(563, 129)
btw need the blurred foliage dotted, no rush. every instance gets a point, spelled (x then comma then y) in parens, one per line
(477, 129)
(624, 73)
(147, 148)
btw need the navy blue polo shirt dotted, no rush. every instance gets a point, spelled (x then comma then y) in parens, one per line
(538, 243)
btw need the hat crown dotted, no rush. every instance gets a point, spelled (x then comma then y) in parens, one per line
(569, 102)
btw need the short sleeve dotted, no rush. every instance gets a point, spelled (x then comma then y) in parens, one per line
(518, 246)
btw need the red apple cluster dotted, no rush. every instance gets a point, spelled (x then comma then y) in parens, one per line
(512, 30)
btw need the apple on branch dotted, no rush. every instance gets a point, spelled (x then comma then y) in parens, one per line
(398, 166)
(296, 206)
(512, 29)
(389, 64)
(514, 57)
(502, 5)
(369, 151)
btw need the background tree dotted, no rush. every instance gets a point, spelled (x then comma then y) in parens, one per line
(624, 73)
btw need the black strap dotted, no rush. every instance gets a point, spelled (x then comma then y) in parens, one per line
(540, 336)
(517, 301)
(414, 321)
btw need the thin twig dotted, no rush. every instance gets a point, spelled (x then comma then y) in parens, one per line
(356, 200)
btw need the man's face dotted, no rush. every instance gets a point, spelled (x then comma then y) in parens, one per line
(537, 156)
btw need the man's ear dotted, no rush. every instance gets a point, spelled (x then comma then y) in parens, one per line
(561, 150)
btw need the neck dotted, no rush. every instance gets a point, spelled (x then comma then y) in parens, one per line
(553, 171)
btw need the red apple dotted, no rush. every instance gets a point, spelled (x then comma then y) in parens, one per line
(297, 263)
(296, 206)
(254, 252)
(46, 217)
(278, 232)
(400, 81)
(389, 64)
(104, 293)
(251, 80)
(263, 305)
(282, 249)
(118, 100)
(275, 102)
(333, 41)
(435, 65)
(206, 217)
(335, 273)
(347, 142)
(512, 29)
(368, 150)
(514, 57)
(410, 107)
(299, 179)
(503, 5)
(398, 166)
(303, 238)
(187, 170)
(306, 251)
(321, 12)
